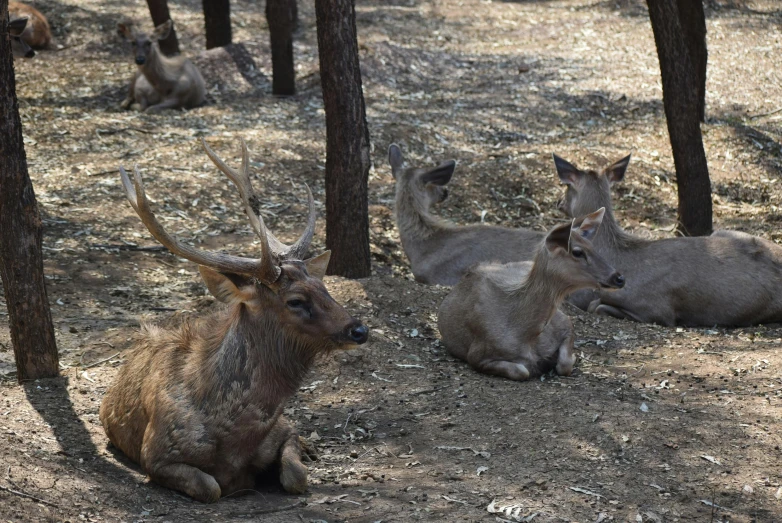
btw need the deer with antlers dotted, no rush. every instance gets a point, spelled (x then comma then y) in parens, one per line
(199, 407)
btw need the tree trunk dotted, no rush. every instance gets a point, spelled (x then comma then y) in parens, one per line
(347, 137)
(21, 261)
(693, 23)
(159, 11)
(280, 16)
(217, 20)
(680, 98)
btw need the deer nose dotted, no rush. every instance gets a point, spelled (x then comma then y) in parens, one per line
(617, 280)
(29, 54)
(358, 334)
(140, 60)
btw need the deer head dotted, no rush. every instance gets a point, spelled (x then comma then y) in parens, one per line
(143, 45)
(588, 190)
(428, 186)
(280, 287)
(19, 47)
(572, 257)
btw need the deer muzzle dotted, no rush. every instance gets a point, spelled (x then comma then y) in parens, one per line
(615, 281)
(357, 333)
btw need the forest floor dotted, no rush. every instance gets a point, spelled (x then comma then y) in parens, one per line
(656, 424)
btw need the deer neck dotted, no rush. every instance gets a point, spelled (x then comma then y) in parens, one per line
(413, 218)
(537, 298)
(156, 67)
(258, 357)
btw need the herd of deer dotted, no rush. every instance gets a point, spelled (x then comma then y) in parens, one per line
(200, 407)
(160, 82)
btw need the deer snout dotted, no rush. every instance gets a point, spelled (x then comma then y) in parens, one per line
(140, 60)
(29, 54)
(616, 280)
(357, 333)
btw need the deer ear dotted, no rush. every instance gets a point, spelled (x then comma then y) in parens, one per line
(441, 174)
(590, 224)
(395, 159)
(558, 237)
(317, 266)
(227, 288)
(568, 173)
(124, 29)
(616, 172)
(162, 31)
(17, 25)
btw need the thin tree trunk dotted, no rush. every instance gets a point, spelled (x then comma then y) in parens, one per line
(693, 23)
(159, 11)
(21, 261)
(680, 98)
(280, 16)
(217, 20)
(347, 136)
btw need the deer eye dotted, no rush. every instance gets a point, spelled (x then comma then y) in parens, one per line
(295, 303)
(578, 253)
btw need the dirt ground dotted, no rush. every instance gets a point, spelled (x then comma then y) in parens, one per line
(656, 424)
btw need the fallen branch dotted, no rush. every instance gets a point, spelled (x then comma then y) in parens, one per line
(104, 360)
(29, 496)
(260, 511)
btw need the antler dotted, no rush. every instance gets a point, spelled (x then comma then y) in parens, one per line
(266, 269)
(252, 207)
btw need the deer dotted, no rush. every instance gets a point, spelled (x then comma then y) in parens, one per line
(161, 82)
(441, 252)
(19, 47)
(37, 33)
(728, 279)
(504, 319)
(199, 407)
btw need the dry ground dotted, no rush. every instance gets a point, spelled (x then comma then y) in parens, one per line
(655, 425)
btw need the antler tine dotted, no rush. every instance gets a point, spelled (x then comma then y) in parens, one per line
(299, 249)
(214, 260)
(270, 268)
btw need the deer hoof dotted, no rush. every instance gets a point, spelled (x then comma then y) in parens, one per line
(208, 491)
(293, 476)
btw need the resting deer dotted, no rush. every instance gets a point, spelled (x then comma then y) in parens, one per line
(37, 33)
(199, 407)
(160, 82)
(441, 252)
(505, 320)
(19, 47)
(729, 278)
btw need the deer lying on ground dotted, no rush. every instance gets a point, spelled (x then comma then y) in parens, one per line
(160, 82)
(504, 319)
(199, 407)
(729, 278)
(441, 252)
(19, 47)
(37, 33)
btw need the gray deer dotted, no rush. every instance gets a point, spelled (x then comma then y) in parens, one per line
(161, 82)
(729, 278)
(439, 251)
(504, 319)
(199, 407)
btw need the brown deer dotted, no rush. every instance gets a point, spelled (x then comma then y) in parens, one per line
(37, 33)
(439, 251)
(504, 319)
(161, 82)
(199, 407)
(729, 278)
(19, 47)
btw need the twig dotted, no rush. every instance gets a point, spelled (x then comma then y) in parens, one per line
(104, 360)
(775, 111)
(427, 391)
(29, 496)
(257, 512)
(123, 247)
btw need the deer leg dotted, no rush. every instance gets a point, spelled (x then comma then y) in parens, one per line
(127, 103)
(565, 357)
(168, 103)
(480, 358)
(281, 445)
(185, 478)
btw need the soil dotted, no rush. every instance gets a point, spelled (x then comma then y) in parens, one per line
(656, 424)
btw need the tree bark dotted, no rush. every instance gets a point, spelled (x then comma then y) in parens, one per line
(693, 23)
(21, 260)
(280, 14)
(680, 98)
(347, 137)
(217, 20)
(159, 11)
